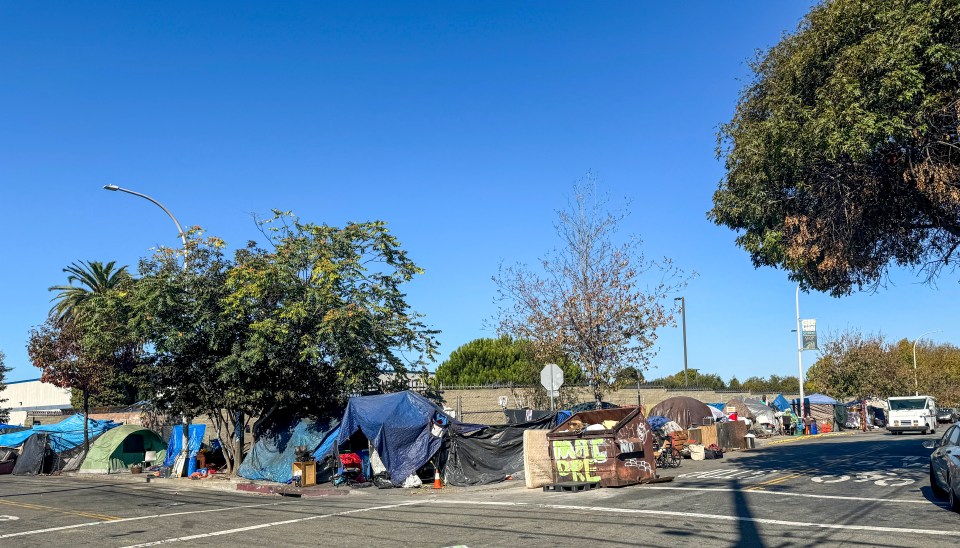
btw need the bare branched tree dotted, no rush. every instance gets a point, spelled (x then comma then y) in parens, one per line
(592, 299)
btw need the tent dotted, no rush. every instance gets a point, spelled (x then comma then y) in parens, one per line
(753, 409)
(683, 410)
(486, 456)
(823, 408)
(275, 450)
(119, 448)
(404, 428)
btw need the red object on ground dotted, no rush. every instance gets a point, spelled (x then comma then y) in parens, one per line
(350, 460)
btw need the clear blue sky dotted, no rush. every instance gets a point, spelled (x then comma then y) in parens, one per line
(461, 124)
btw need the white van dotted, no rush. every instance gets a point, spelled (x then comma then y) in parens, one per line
(912, 414)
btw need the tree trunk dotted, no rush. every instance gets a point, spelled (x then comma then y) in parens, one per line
(238, 439)
(86, 420)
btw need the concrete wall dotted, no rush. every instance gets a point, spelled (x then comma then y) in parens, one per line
(481, 405)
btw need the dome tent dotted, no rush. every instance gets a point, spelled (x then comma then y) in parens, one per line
(121, 447)
(683, 410)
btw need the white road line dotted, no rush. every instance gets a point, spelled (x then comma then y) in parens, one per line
(720, 517)
(786, 494)
(274, 524)
(137, 518)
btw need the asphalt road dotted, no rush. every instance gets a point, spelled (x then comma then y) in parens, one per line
(861, 489)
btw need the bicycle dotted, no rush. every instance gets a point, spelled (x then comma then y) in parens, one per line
(668, 456)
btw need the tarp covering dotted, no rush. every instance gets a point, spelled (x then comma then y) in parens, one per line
(816, 399)
(64, 435)
(753, 409)
(683, 410)
(175, 445)
(486, 456)
(399, 427)
(780, 403)
(275, 451)
(656, 421)
(117, 449)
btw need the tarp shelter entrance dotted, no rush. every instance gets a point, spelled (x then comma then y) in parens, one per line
(175, 445)
(486, 456)
(275, 450)
(683, 410)
(404, 428)
(119, 448)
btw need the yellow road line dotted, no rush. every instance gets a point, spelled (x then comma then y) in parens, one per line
(102, 517)
(773, 481)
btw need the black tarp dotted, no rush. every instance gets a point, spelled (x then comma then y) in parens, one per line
(488, 455)
(36, 457)
(520, 416)
(34, 451)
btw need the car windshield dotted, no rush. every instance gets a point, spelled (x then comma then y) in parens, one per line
(911, 404)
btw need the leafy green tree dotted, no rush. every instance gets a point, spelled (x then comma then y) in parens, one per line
(596, 301)
(853, 365)
(693, 379)
(843, 155)
(734, 384)
(4, 413)
(502, 360)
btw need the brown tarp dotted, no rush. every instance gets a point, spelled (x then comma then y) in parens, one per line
(683, 410)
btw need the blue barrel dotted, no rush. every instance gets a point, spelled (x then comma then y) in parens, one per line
(813, 428)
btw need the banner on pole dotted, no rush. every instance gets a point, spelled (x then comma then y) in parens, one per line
(809, 331)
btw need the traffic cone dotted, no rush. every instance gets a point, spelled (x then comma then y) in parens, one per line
(436, 480)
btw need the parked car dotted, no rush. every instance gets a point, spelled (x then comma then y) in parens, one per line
(947, 415)
(945, 466)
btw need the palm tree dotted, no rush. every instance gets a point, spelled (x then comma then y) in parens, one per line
(94, 278)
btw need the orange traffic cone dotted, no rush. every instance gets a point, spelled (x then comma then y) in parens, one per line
(436, 480)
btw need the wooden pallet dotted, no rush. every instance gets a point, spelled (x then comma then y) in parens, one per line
(571, 486)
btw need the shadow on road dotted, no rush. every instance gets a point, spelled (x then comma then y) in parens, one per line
(749, 536)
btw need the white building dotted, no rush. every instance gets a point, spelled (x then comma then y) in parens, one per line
(32, 395)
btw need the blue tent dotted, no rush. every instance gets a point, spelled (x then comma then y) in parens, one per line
(399, 427)
(175, 445)
(780, 403)
(64, 435)
(816, 399)
(272, 456)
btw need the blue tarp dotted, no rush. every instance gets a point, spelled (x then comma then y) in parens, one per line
(657, 421)
(816, 399)
(275, 451)
(175, 445)
(719, 405)
(64, 435)
(399, 428)
(780, 403)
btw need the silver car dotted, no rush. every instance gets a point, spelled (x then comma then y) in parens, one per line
(945, 466)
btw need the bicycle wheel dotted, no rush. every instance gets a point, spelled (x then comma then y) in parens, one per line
(675, 458)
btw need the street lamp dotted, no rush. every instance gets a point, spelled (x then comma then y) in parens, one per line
(916, 385)
(180, 232)
(183, 238)
(683, 314)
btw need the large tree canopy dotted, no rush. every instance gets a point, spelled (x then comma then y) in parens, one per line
(502, 360)
(843, 157)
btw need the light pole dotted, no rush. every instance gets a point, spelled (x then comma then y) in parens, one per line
(800, 352)
(683, 315)
(183, 238)
(916, 385)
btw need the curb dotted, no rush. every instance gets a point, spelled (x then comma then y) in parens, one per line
(802, 438)
(291, 491)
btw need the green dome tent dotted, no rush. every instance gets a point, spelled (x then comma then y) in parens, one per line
(120, 447)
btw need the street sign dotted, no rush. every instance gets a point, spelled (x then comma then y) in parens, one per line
(809, 331)
(551, 377)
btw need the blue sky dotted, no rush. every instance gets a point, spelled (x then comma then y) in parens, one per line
(463, 125)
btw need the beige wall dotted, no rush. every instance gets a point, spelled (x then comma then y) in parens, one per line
(481, 405)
